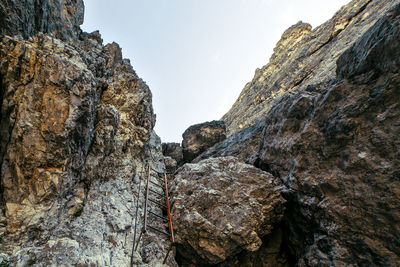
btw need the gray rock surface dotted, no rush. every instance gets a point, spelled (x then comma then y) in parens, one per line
(198, 138)
(76, 131)
(61, 18)
(170, 165)
(222, 207)
(303, 57)
(321, 119)
(173, 150)
(335, 147)
(242, 144)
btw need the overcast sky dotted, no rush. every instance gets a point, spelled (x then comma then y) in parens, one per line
(197, 55)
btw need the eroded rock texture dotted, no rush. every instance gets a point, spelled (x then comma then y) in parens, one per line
(173, 150)
(321, 120)
(76, 128)
(242, 144)
(303, 57)
(60, 18)
(222, 207)
(198, 138)
(324, 114)
(335, 146)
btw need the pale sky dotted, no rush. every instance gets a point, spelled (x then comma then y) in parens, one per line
(197, 55)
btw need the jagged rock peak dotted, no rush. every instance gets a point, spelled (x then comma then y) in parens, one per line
(303, 57)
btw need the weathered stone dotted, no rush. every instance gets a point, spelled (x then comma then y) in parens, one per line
(222, 207)
(76, 131)
(242, 144)
(198, 138)
(61, 18)
(303, 57)
(272, 253)
(334, 146)
(173, 150)
(170, 165)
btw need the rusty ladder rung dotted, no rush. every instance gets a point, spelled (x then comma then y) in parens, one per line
(156, 184)
(158, 178)
(155, 192)
(158, 230)
(159, 216)
(157, 171)
(163, 184)
(158, 203)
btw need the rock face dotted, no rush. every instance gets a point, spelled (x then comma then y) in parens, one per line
(173, 150)
(321, 121)
(242, 144)
(222, 207)
(303, 57)
(76, 130)
(197, 138)
(334, 145)
(60, 18)
(329, 105)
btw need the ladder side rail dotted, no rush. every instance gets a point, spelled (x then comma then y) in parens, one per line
(144, 228)
(137, 207)
(146, 200)
(170, 227)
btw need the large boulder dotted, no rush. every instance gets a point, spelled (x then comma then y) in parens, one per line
(198, 138)
(222, 207)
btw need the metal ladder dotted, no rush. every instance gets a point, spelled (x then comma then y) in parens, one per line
(155, 182)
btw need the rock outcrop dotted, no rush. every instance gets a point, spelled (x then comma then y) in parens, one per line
(76, 130)
(222, 207)
(334, 145)
(242, 144)
(327, 104)
(324, 115)
(198, 138)
(60, 18)
(173, 150)
(319, 125)
(303, 57)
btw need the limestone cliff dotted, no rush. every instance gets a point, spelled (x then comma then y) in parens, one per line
(335, 147)
(323, 118)
(76, 128)
(319, 125)
(302, 57)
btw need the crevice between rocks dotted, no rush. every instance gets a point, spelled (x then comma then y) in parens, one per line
(297, 232)
(258, 163)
